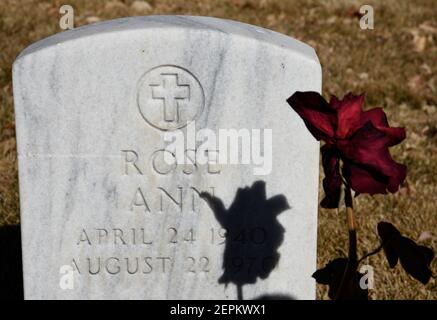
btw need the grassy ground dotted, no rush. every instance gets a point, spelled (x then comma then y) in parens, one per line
(395, 64)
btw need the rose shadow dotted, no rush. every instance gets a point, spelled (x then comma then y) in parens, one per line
(254, 234)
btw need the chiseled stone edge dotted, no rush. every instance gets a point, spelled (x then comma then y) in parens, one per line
(175, 21)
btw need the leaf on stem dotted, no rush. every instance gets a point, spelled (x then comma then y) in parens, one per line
(332, 275)
(414, 258)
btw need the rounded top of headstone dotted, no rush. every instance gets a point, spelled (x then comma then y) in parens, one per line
(202, 23)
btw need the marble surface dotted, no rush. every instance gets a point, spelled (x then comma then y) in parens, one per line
(99, 205)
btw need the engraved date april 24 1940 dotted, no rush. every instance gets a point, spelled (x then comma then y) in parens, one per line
(170, 236)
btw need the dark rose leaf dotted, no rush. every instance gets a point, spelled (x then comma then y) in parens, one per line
(323, 276)
(415, 259)
(392, 255)
(332, 275)
(428, 254)
(388, 232)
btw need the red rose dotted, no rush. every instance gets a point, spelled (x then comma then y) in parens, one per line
(359, 139)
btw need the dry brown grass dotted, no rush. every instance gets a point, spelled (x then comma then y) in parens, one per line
(395, 64)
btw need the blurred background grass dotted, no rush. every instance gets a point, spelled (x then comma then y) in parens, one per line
(395, 65)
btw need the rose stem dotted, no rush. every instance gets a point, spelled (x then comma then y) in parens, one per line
(351, 225)
(352, 263)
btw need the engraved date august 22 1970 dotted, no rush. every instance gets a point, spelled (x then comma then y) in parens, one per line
(114, 265)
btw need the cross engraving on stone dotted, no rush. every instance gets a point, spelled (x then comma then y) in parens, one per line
(170, 91)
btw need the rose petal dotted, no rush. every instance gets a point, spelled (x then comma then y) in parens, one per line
(319, 117)
(369, 161)
(379, 119)
(332, 181)
(364, 180)
(348, 114)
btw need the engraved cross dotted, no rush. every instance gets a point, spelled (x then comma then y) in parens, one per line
(170, 91)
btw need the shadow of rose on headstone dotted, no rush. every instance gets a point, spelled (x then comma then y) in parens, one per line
(253, 234)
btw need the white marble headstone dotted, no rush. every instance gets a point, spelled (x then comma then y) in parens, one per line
(106, 215)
